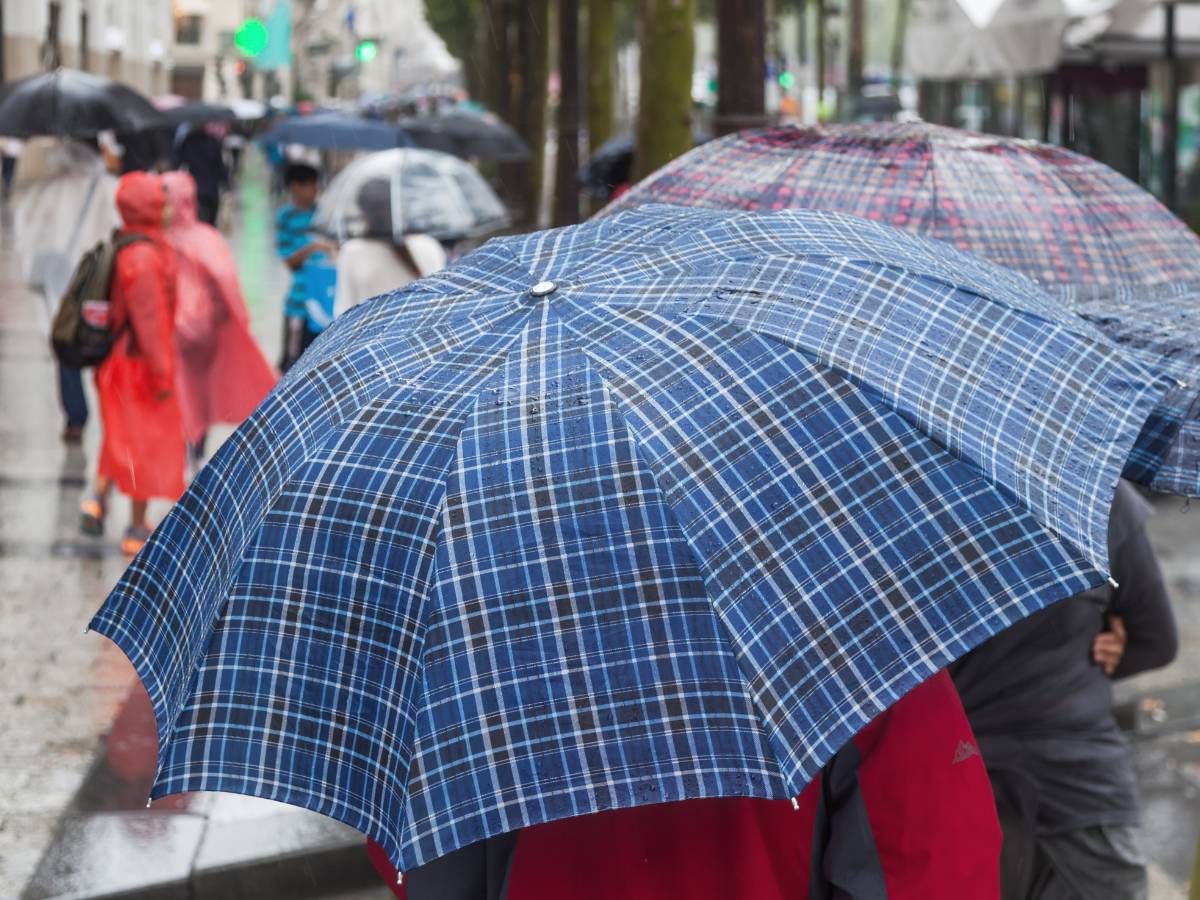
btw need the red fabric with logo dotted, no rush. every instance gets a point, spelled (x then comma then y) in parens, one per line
(927, 796)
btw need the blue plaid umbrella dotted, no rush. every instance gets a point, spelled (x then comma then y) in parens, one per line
(659, 507)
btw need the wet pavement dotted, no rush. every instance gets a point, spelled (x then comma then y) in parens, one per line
(77, 740)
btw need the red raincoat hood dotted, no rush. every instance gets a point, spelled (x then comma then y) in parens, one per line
(181, 194)
(141, 201)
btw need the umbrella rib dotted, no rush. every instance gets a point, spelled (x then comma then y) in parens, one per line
(502, 359)
(582, 345)
(1087, 210)
(1082, 329)
(386, 382)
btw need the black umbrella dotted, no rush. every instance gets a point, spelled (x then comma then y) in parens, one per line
(466, 135)
(609, 166)
(70, 103)
(612, 165)
(196, 112)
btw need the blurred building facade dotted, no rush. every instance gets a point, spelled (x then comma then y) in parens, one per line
(346, 49)
(206, 64)
(128, 40)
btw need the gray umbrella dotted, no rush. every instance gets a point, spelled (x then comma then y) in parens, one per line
(466, 134)
(406, 191)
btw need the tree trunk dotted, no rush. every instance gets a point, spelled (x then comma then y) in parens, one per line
(802, 32)
(822, 43)
(566, 164)
(533, 65)
(601, 70)
(741, 64)
(499, 96)
(899, 31)
(854, 55)
(1170, 114)
(664, 126)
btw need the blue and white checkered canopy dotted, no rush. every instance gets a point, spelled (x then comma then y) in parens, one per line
(663, 506)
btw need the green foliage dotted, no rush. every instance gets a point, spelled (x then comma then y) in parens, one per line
(455, 22)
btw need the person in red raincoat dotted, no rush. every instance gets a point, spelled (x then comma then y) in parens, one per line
(142, 452)
(904, 812)
(222, 374)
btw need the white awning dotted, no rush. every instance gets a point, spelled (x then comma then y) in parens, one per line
(963, 39)
(1136, 31)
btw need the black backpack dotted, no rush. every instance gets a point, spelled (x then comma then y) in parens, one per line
(80, 335)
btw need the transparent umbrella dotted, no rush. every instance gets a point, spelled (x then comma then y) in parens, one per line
(406, 191)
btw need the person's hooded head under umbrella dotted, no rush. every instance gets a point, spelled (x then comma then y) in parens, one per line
(385, 257)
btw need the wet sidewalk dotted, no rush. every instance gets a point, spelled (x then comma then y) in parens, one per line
(77, 741)
(109, 843)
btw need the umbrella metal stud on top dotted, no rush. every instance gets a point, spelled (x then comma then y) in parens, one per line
(542, 288)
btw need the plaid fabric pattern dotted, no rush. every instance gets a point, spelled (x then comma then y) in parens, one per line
(1167, 454)
(677, 529)
(1074, 225)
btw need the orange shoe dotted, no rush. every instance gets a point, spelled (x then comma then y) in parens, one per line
(91, 515)
(135, 538)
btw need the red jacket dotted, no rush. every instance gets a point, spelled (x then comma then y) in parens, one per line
(142, 450)
(222, 374)
(904, 811)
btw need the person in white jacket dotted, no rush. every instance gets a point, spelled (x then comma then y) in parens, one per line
(376, 264)
(61, 211)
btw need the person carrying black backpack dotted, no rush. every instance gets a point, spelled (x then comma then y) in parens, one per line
(142, 453)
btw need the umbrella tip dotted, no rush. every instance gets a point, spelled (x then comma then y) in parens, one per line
(795, 804)
(1112, 582)
(399, 878)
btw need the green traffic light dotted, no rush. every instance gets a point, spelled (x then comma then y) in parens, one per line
(251, 37)
(366, 51)
(787, 80)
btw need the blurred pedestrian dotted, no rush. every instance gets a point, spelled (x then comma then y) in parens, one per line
(142, 452)
(201, 155)
(222, 373)
(277, 164)
(235, 145)
(10, 152)
(1039, 697)
(376, 263)
(903, 811)
(297, 246)
(145, 151)
(59, 214)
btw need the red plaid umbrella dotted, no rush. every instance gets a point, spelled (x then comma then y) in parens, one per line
(1107, 247)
